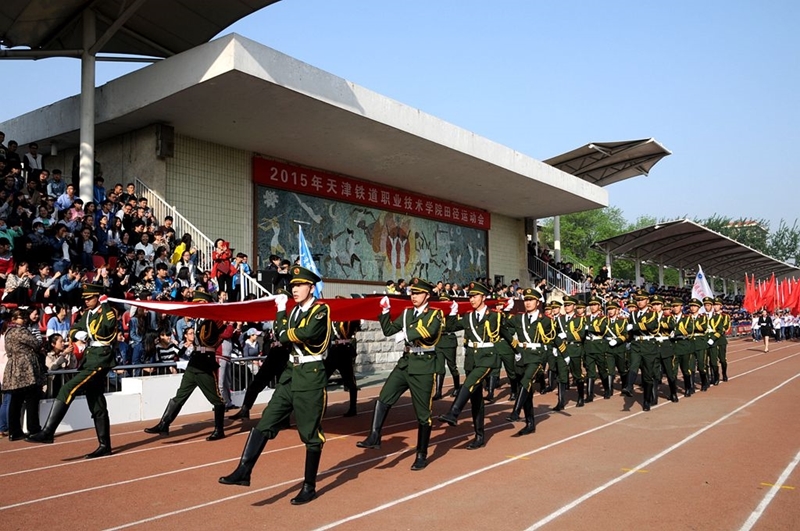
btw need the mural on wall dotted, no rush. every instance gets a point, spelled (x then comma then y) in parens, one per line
(355, 242)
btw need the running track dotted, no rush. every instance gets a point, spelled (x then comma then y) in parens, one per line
(724, 459)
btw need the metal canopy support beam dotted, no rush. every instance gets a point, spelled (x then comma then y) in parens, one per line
(115, 26)
(87, 108)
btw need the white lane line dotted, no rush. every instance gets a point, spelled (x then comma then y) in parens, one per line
(756, 515)
(560, 512)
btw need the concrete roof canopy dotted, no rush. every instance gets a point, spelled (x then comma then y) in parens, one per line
(157, 28)
(684, 244)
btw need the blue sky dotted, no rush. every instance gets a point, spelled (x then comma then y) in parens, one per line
(714, 81)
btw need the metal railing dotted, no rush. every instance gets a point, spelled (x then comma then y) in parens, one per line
(202, 243)
(554, 277)
(575, 264)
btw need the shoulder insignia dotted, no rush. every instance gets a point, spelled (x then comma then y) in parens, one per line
(320, 315)
(110, 315)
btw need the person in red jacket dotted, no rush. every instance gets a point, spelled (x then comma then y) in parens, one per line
(222, 268)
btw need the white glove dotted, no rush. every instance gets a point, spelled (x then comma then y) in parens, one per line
(672, 334)
(453, 308)
(711, 342)
(509, 305)
(566, 360)
(563, 335)
(612, 342)
(555, 352)
(517, 357)
(385, 305)
(280, 302)
(629, 327)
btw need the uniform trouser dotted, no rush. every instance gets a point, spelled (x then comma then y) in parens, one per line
(665, 359)
(635, 357)
(421, 387)
(621, 358)
(595, 361)
(308, 407)
(700, 355)
(527, 373)
(508, 363)
(552, 362)
(194, 378)
(343, 362)
(92, 382)
(643, 354)
(723, 353)
(271, 368)
(446, 356)
(713, 357)
(575, 365)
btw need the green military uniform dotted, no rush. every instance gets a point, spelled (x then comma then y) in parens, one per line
(718, 325)
(446, 350)
(700, 345)
(422, 327)
(683, 345)
(301, 386)
(100, 326)
(552, 364)
(535, 333)
(569, 344)
(201, 372)
(617, 337)
(598, 360)
(665, 354)
(642, 325)
(505, 355)
(481, 335)
(341, 356)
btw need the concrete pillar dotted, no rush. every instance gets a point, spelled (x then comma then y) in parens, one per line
(724, 288)
(87, 108)
(637, 265)
(608, 264)
(660, 274)
(557, 238)
(680, 278)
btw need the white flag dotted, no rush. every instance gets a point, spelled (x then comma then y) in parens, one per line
(701, 288)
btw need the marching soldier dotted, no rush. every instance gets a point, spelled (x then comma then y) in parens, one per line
(271, 368)
(483, 329)
(341, 356)
(100, 324)
(700, 341)
(554, 308)
(683, 344)
(721, 327)
(665, 355)
(202, 372)
(415, 370)
(596, 350)
(569, 343)
(301, 386)
(505, 355)
(642, 324)
(617, 337)
(535, 334)
(446, 350)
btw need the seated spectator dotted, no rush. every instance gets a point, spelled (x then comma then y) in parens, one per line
(58, 324)
(186, 262)
(161, 257)
(163, 283)
(18, 285)
(70, 286)
(145, 246)
(145, 288)
(141, 264)
(66, 200)
(45, 285)
(9, 233)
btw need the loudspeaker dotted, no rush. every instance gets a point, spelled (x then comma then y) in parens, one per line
(165, 141)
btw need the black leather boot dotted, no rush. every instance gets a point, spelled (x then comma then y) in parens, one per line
(219, 424)
(703, 381)
(724, 371)
(451, 417)
(623, 381)
(242, 414)
(530, 422)
(716, 375)
(514, 384)
(542, 385)
(439, 385)
(562, 391)
(491, 382)
(673, 390)
(477, 421)
(687, 386)
(608, 387)
(162, 428)
(518, 405)
(102, 426)
(352, 410)
(309, 490)
(552, 381)
(378, 417)
(654, 393)
(629, 381)
(590, 390)
(255, 444)
(423, 438)
(580, 394)
(57, 414)
(456, 385)
(648, 394)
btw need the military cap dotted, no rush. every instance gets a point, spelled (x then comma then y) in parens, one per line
(555, 304)
(595, 300)
(656, 299)
(695, 302)
(641, 294)
(419, 285)
(676, 302)
(613, 304)
(202, 296)
(717, 300)
(531, 294)
(301, 275)
(476, 288)
(570, 300)
(444, 296)
(708, 300)
(630, 303)
(92, 290)
(580, 304)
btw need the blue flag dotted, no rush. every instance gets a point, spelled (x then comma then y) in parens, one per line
(307, 261)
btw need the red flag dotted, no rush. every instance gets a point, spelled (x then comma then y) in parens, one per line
(750, 303)
(769, 299)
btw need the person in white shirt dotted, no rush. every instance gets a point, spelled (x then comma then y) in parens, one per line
(146, 246)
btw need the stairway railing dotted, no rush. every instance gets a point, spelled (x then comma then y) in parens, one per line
(554, 277)
(161, 209)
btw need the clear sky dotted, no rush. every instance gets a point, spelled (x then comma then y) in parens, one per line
(714, 81)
